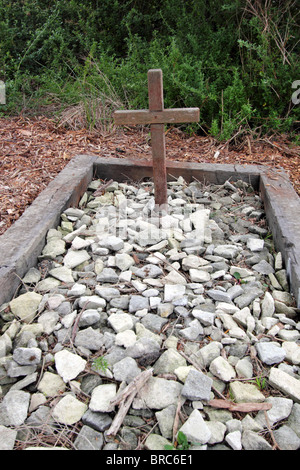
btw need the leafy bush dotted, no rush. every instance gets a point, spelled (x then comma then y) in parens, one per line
(236, 60)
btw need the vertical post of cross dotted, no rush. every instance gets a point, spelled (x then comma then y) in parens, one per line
(157, 117)
(2, 93)
(156, 104)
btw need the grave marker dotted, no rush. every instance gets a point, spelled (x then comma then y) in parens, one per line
(157, 117)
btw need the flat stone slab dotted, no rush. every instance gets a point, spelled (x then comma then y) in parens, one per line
(23, 242)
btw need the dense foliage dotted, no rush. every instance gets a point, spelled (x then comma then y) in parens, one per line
(236, 59)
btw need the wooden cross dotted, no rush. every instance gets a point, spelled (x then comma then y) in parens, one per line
(157, 117)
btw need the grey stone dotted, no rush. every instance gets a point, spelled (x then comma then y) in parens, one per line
(7, 438)
(234, 439)
(89, 338)
(192, 332)
(149, 271)
(14, 408)
(270, 352)
(158, 393)
(156, 442)
(54, 248)
(96, 420)
(146, 348)
(245, 392)
(226, 251)
(138, 302)
(206, 318)
(281, 409)
(126, 370)
(153, 322)
(62, 273)
(51, 384)
(281, 276)
(48, 320)
(168, 362)
(198, 275)
(88, 317)
(219, 295)
(165, 419)
(217, 430)
(209, 352)
(124, 261)
(263, 267)
(89, 439)
(253, 441)
(32, 276)
(197, 386)
(108, 275)
(286, 438)
(267, 306)
(27, 356)
(165, 309)
(108, 293)
(91, 301)
(294, 419)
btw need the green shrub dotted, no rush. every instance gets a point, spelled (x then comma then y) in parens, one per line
(236, 60)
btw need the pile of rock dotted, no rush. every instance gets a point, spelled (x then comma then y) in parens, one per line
(196, 293)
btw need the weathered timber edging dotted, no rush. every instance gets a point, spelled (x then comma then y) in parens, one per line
(22, 243)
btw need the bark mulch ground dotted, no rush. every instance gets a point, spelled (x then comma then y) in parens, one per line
(34, 150)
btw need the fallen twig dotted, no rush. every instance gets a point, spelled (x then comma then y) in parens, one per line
(125, 398)
(99, 191)
(276, 446)
(242, 407)
(176, 419)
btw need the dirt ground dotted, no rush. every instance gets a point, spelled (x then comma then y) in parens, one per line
(34, 150)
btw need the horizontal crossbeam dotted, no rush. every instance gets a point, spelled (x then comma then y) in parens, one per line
(167, 116)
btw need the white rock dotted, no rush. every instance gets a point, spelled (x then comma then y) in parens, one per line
(120, 322)
(221, 369)
(255, 244)
(77, 290)
(124, 261)
(68, 365)
(196, 429)
(125, 338)
(292, 351)
(285, 383)
(75, 258)
(175, 277)
(234, 439)
(51, 384)
(48, 320)
(267, 306)
(270, 352)
(198, 275)
(158, 393)
(25, 306)
(62, 273)
(69, 410)
(112, 243)
(101, 398)
(173, 291)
